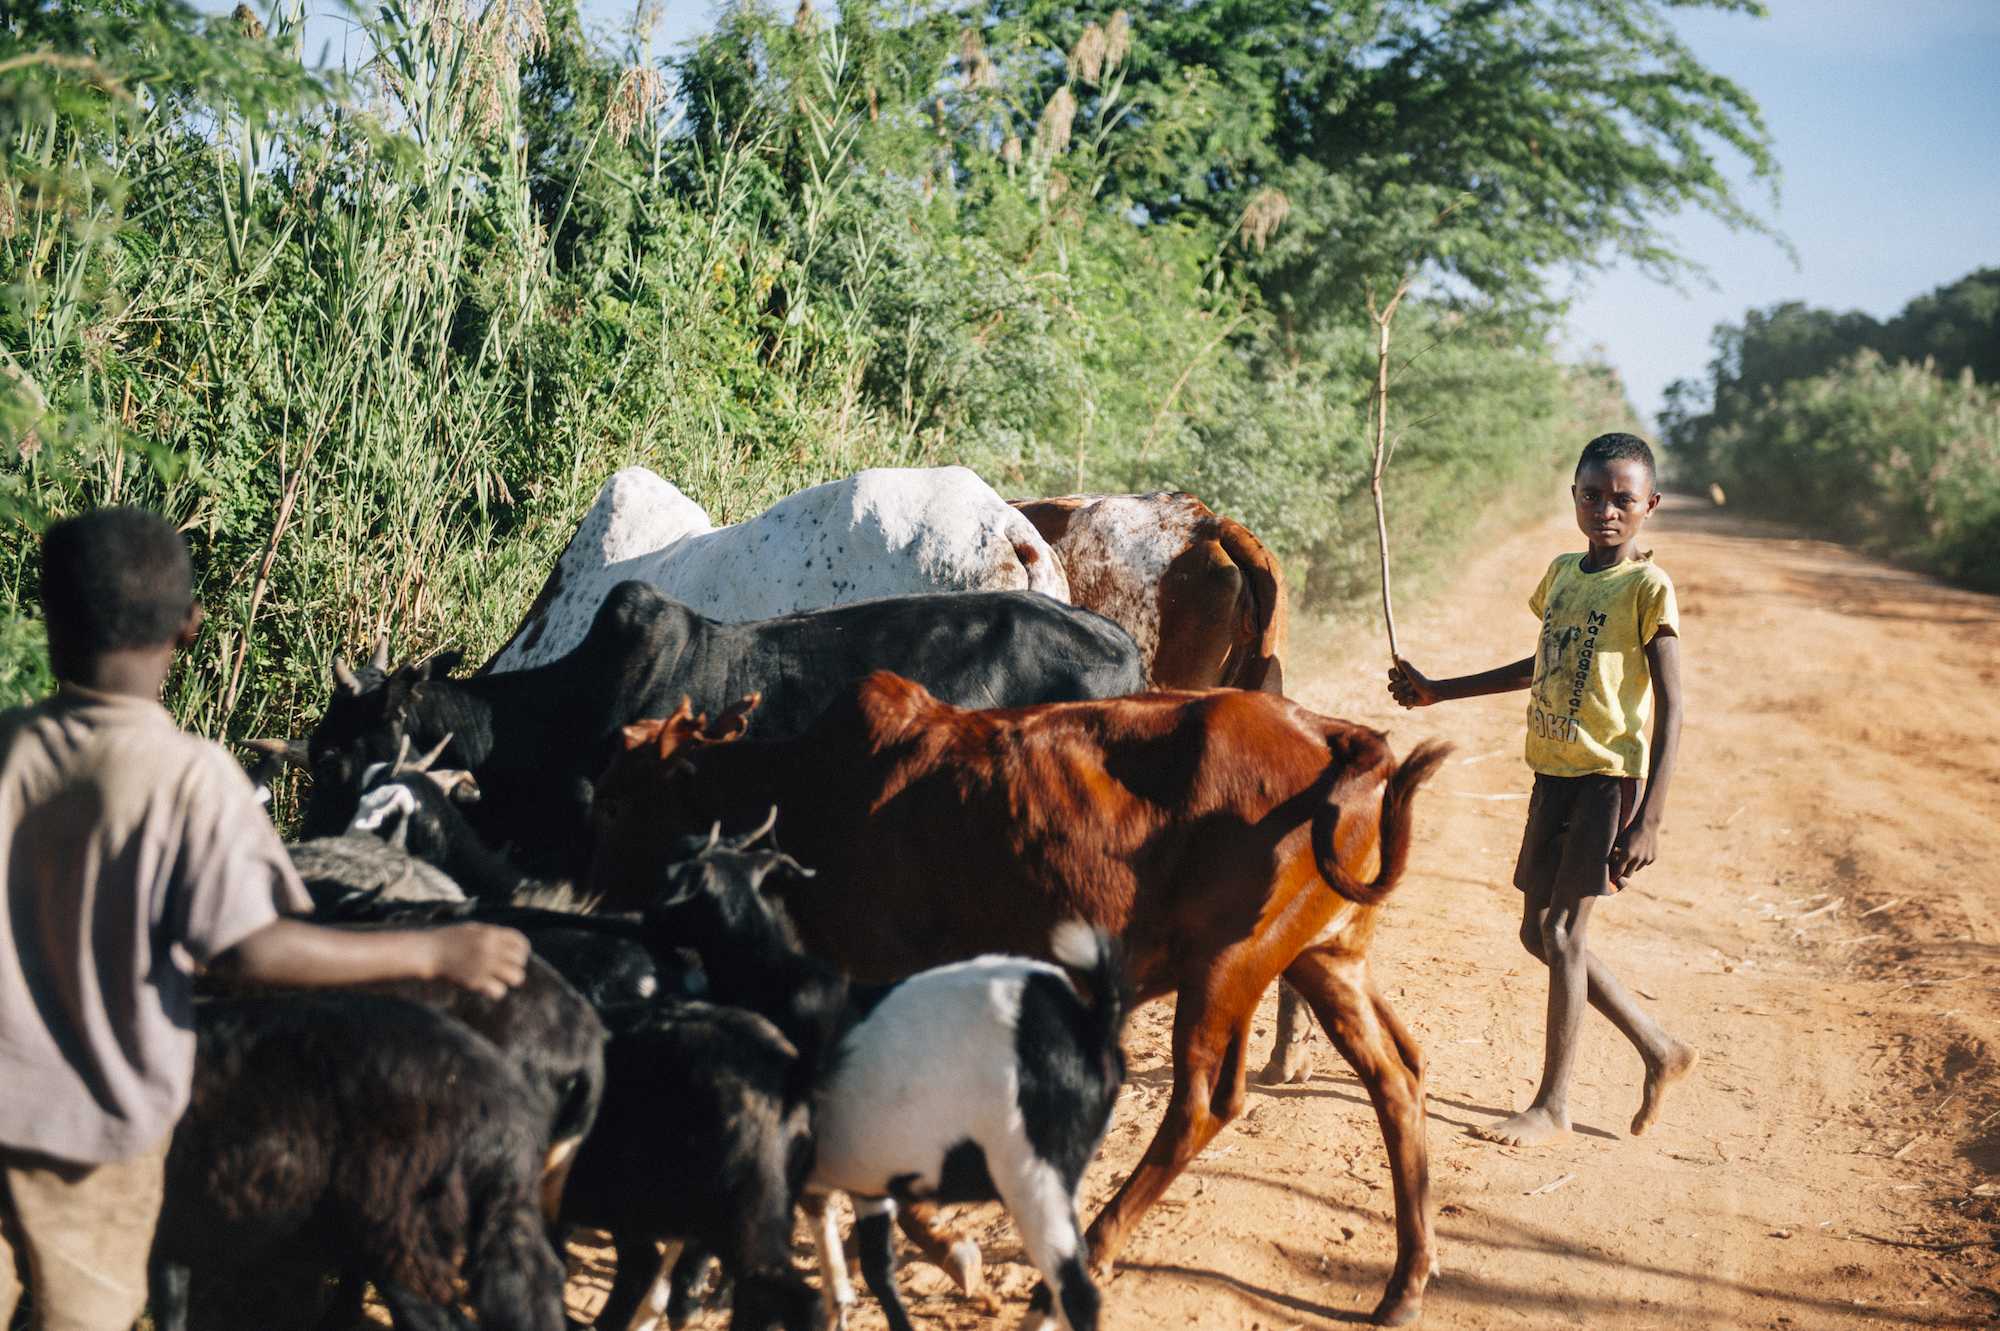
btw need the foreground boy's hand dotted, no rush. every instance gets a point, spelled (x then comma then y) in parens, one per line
(485, 958)
(1636, 847)
(1409, 687)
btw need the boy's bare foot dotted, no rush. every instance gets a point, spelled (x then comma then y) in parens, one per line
(1531, 1127)
(1680, 1061)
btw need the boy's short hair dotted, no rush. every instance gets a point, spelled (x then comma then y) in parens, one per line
(113, 578)
(1620, 447)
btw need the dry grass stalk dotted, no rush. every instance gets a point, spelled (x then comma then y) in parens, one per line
(1010, 151)
(1087, 60)
(1264, 214)
(1117, 40)
(640, 93)
(974, 65)
(1052, 134)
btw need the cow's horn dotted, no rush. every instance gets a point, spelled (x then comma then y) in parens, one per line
(380, 661)
(344, 676)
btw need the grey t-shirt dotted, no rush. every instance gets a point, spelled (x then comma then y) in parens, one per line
(128, 847)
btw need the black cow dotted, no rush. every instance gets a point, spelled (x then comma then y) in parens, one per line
(535, 740)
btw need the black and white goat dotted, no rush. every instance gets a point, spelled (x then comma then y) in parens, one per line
(360, 1133)
(991, 1079)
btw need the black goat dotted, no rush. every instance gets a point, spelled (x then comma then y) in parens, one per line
(990, 1079)
(355, 1132)
(704, 1135)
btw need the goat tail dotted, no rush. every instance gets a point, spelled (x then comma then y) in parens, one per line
(1392, 825)
(1100, 958)
(514, 1280)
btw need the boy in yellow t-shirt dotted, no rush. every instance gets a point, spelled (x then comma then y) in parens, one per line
(1610, 642)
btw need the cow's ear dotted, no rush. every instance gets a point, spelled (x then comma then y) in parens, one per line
(735, 719)
(640, 733)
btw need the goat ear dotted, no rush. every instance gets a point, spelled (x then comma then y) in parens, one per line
(442, 664)
(457, 784)
(735, 719)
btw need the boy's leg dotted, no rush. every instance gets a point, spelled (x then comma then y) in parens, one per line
(86, 1231)
(1556, 926)
(1667, 1059)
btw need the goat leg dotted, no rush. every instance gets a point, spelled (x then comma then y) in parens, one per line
(872, 1217)
(836, 1291)
(638, 1295)
(1291, 1060)
(944, 1247)
(691, 1291)
(1386, 1059)
(170, 1283)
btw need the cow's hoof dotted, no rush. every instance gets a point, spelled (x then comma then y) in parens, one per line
(1291, 1063)
(1398, 1309)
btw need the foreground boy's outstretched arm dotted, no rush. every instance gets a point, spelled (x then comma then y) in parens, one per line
(1412, 689)
(484, 958)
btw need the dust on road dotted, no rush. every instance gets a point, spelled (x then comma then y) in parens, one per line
(1820, 924)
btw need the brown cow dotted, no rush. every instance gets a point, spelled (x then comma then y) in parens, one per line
(1205, 828)
(1201, 596)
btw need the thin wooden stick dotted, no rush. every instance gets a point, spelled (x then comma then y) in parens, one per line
(1380, 447)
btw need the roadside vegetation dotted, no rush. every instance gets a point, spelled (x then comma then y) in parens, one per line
(374, 338)
(1885, 434)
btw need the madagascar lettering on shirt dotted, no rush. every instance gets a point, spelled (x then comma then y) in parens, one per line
(1592, 695)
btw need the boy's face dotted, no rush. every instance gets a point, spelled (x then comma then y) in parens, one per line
(1613, 500)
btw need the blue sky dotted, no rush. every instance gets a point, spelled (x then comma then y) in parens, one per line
(1886, 116)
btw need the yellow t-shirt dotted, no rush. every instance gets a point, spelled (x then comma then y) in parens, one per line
(1593, 691)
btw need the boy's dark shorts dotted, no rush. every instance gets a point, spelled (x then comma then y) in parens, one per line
(1572, 821)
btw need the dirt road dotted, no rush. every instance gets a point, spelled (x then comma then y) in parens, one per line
(1821, 925)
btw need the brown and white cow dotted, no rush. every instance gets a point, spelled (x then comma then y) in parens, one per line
(1203, 598)
(1226, 836)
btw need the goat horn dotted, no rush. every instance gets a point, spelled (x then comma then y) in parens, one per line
(380, 661)
(750, 839)
(714, 836)
(344, 676)
(293, 751)
(402, 753)
(424, 763)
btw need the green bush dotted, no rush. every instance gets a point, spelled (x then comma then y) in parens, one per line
(1896, 458)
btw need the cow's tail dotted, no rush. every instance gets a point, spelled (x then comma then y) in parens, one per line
(1392, 825)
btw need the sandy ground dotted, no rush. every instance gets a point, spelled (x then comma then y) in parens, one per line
(1820, 925)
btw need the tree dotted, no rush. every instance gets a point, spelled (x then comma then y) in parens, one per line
(1572, 126)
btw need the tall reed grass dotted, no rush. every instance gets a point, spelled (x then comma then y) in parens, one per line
(374, 358)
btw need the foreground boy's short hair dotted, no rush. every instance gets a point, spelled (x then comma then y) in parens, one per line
(112, 579)
(1619, 447)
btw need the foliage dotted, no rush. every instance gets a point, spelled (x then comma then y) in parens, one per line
(1895, 457)
(373, 344)
(1881, 431)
